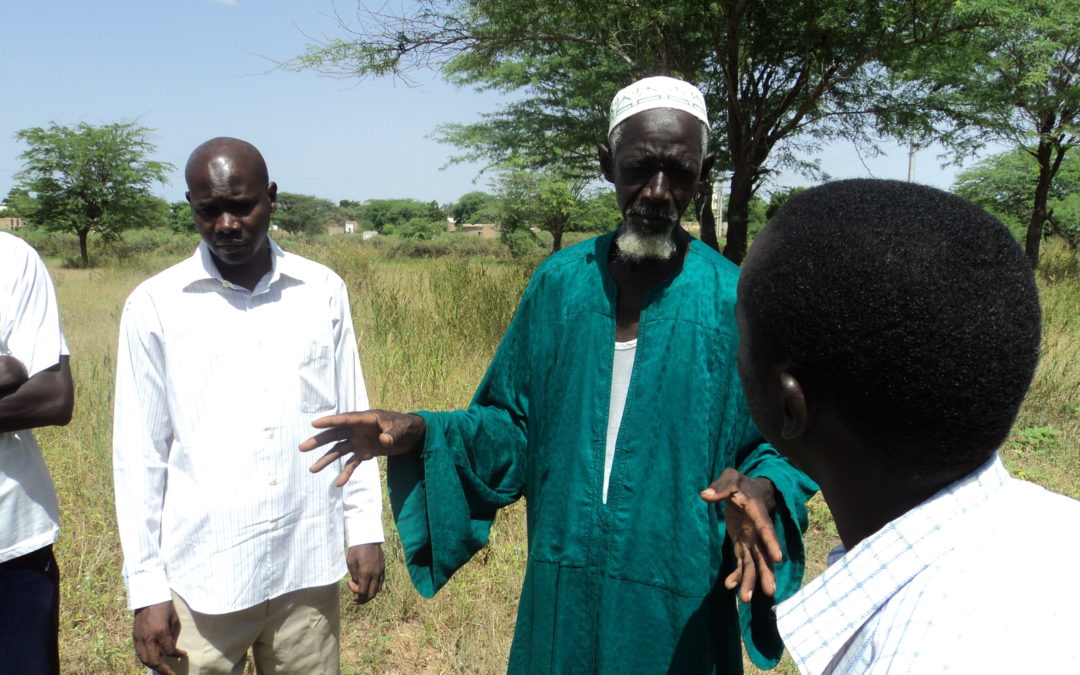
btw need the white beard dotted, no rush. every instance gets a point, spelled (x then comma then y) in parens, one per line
(637, 247)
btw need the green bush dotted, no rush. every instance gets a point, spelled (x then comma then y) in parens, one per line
(521, 242)
(417, 228)
(1067, 220)
(448, 245)
(131, 244)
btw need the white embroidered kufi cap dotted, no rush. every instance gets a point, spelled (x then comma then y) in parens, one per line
(657, 92)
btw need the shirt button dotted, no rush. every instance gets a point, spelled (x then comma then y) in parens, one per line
(273, 481)
(275, 526)
(270, 433)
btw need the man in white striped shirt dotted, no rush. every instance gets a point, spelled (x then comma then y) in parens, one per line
(888, 334)
(230, 543)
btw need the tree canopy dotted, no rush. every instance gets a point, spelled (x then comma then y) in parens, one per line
(1004, 184)
(474, 207)
(1018, 78)
(179, 218)
(778, 77)
(378, 214)
(303, 213)
(551, 203)
(88, 178)
(18, 204)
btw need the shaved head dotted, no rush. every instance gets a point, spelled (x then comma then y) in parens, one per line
(222, 156)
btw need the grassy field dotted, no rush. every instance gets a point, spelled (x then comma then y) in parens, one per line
(427, 328)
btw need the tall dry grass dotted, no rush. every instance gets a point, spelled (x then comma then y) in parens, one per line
(427, 329)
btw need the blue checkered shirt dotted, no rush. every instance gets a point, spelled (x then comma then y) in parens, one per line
(980, 578)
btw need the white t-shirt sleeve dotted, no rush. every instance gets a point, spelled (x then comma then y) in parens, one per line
(29, 313)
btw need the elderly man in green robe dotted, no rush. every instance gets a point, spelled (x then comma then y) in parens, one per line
(611, 402)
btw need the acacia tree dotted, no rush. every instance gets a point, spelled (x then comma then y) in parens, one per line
(380, 214)
(1004, 184)
(552, 203)
(803, 71)
(303, 213)
(89, 178)
(18, 204)
(473, 207)
(1020, 76)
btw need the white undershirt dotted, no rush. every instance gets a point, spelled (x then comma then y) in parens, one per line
(621, 369)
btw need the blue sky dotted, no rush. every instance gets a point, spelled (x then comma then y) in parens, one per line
(194, 69)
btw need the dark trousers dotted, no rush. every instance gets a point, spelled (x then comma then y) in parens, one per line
(30, 614)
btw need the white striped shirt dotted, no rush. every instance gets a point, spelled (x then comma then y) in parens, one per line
(29, 331)
(980, 578)
(216, 386)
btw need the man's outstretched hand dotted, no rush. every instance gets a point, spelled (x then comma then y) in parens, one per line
(749, 525)
(364, 435)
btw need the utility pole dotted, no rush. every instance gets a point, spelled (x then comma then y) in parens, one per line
(911, 161)
(718, 206)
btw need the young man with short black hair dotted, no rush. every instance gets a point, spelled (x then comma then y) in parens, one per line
(888, 334)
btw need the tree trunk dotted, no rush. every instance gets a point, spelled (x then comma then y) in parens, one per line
(1038, 214)
(703, 205)
(83, 233)
(556, 240)
(738, 215)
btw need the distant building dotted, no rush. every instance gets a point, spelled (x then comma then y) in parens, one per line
(11, 223)
(485, 230)
(348, 228)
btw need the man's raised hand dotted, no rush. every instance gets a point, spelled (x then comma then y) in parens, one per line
(364, 435)
(749, 526)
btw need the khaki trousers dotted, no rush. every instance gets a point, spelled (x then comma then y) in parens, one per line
(292, 634)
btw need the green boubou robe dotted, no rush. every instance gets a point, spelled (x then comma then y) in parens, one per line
(633, 585)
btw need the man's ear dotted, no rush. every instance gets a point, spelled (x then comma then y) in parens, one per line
(187, 196)
(707, 165)
(793, 400)
(271, 191)
(607, 162)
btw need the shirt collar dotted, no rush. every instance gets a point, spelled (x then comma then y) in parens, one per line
(819, 620)
(202, 267)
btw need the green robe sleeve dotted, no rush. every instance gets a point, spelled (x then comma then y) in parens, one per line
(757, 619)
(444, 498)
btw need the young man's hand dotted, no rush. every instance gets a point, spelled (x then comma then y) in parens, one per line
(367, 568)
(155, 632)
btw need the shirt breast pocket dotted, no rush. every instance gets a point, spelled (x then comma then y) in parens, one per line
(318, 389)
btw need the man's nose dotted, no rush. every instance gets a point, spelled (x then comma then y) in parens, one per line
(658, 188)
(227, 222)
